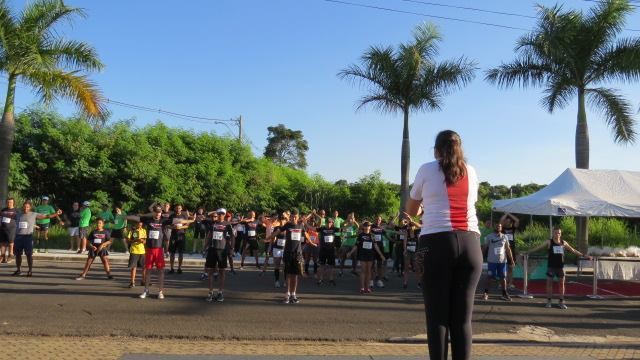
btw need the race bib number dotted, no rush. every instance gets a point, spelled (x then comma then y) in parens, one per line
(328, 239)
(411, 248)
(377, 237)
(509, 237)
(217, 235)
(23, 225)
(296, 236)
(6, 220)
(154, 234)
(403, 236)
(498, 251)
(252, 233)
(558, 250)
(97, 240)
(240, 228)
(281, 242)
(368, 245)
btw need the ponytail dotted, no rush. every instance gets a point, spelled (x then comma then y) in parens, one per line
(448, 149)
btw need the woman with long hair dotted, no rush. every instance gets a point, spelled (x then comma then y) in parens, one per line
(446, 190)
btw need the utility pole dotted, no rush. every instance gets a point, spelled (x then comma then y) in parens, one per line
(240, 129)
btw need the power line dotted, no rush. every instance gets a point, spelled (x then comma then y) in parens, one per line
(469, 8)
(165, 112)
(426, 15)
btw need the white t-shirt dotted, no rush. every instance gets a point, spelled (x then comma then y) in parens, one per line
(446, 208)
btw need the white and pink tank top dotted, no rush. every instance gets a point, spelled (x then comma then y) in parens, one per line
(446, 207)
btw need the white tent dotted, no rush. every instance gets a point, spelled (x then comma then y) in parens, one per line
(580, 192)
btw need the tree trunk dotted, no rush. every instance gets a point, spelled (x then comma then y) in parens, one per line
(7, 132)
(582, 162)
(404, 163)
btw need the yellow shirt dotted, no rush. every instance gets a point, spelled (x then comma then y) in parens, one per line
(136, 247)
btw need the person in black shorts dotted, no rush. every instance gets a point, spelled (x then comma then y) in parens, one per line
(219, 238)
(380, 263)
(251, 228)
(366, 249)
(7, 230)
(327, 254)
(180, 221)
(510, 225)
(199, 229)
(99, 241)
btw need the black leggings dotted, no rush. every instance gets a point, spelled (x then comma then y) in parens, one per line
(452, 269)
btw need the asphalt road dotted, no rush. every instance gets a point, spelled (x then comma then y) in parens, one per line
(53, 303)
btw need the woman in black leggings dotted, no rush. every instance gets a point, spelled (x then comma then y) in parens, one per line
(445, 191)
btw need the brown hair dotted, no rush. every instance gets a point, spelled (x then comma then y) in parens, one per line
(450, 156)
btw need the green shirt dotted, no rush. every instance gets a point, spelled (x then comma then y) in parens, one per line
(85, 217)
(107, 216)
(45, 210)
(350, 233)
(337, 223)
(120, 221)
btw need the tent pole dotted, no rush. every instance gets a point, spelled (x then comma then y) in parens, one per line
(550, 227)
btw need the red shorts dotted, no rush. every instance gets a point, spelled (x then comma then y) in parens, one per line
(153, 257)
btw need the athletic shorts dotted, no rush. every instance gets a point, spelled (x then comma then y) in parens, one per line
(555, 272)
(7, 235)
(251, 244)
(177, 243)
(154, 256)
(310, 250)
(94, 254)
(43, 227)
(497, 270)
(136, 260)
(74, 231)
(84, 232)
(199, 231)
(277, 253)
(293, 266)
(117, 234)
(23, 243)
(366, 256)
(327, 256)
(217, 259)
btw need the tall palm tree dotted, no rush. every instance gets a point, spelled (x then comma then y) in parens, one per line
(409, 79)
(571, 53)
(31, 51)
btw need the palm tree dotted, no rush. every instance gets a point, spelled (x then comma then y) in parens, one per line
(409, 79)
(571, 53)
(32, 52)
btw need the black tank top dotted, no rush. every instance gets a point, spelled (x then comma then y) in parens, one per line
(556, 255)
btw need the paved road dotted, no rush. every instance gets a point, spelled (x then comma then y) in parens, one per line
(52, 303)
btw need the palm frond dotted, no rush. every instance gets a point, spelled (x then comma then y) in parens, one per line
(619, 62)
(40, 15)
(381, 101)
(524, 71)
(617, 111)
(426, 40)
(53, 84)
(558, 93)
(72, 55)
(7, 24)
(605, 21)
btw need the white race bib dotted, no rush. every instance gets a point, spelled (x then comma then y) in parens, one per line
(252, 233)
(328, 239)
(509, 237)
(6, 220)
(281, 242)
(154, 234)
(296, 236)
(367, 245)
(23, 225)
(558, 250)
(240, 228)
(377, 237)
(498, 251)
(217, 235)
(97, 240)
(402, 237)
(411, 248)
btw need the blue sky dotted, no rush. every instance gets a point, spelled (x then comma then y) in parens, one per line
(275, 61)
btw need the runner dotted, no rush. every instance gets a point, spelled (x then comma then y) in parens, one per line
(509, 227)
(42, 229)
(26, 221)
(239, 244)
(409, 248)
(350, 234)
(166, 214)
(155, 225)
(278, 239)
(320, 217)
(99, 241)
(72, 219)
(118, 228)
(107, 215)
(556, 248)
(232, 250)
(337, 224)
(219, 239)
(83, 231)
(8, 230)
(327, 253)
(251, 226)
(380, 263)
(199, 230)
(402, 233)
(179, 221)
(311, 250)
(292, 256)
(496, 246)
(366, 248)
(136, 239)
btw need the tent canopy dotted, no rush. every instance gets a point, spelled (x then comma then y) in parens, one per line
(580, 192)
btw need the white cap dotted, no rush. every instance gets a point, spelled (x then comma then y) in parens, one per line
(85, 203)
(45, 198)
(221, 211)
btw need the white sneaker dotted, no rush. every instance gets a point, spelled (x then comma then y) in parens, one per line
(144, 294)
(210, 296)
(160, 295)
(380, 284)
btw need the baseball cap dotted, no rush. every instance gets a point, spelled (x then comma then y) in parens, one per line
(45, 198)
(85, 203)
(221, 211)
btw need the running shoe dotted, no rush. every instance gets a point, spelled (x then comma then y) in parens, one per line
(171, 271)
(4, 261)
(160, 295)
(287, 299)
(144, 294)
(562, 306)
(220, 297)
(505, 297)
(548, 305)
(485, 296)
(132, 285)
(179, 271)
(368, 290)
(204, 276)
(362, 291)
(109, 277)
(80, 277)
(79, 251)
(294, 299)
(210, 296)
(379, 284)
